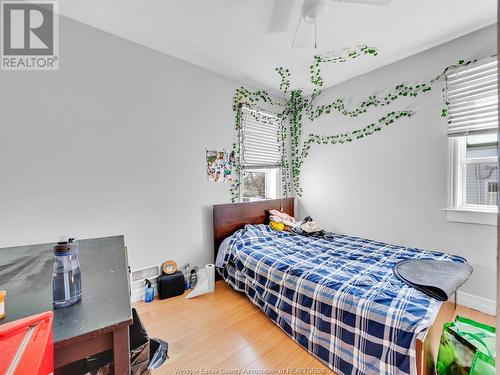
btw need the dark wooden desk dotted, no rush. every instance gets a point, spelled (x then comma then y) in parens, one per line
(99, 322)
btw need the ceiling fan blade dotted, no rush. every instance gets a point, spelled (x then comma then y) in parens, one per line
(301, 33)
(366, 2)
(280, 15)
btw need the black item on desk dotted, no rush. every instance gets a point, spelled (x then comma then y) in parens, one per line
(170, 285)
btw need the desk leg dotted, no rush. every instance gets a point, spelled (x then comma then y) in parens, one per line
(121, 351)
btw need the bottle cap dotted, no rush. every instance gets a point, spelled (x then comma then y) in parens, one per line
(64, 245)
(61, 247)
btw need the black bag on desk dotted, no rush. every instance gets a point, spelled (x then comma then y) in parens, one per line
(171, 285)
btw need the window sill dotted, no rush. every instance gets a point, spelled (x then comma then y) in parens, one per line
(471, 216)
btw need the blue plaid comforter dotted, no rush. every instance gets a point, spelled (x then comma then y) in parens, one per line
(335, 296)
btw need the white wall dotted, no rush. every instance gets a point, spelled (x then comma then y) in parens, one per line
(113, 143)
(392, 186)
(1, 163)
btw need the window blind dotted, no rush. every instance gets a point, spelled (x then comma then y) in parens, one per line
(260, 141)
(472, 96)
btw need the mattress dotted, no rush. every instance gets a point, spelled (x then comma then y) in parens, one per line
(335, 296)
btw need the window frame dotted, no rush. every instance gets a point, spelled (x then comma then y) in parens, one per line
(471, 103)
(457, 209)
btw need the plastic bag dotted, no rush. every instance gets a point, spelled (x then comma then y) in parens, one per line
(467, 347)
(157, 353)
(483, 365)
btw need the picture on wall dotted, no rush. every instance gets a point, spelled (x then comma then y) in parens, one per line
(220, 166)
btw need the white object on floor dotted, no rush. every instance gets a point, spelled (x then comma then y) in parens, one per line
(206, 281)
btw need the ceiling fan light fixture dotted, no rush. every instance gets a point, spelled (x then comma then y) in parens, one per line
(313, 10)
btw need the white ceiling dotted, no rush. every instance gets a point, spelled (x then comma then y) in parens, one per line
(235, 38)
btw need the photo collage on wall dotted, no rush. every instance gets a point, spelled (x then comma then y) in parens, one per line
(220, 166)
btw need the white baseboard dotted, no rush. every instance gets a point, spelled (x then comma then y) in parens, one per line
(482, 304)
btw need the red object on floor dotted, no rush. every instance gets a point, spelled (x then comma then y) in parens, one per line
(27, 346)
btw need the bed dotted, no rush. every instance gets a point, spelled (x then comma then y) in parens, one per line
(336, 296)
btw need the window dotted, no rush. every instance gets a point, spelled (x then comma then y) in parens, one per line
(472, 130)
(260, 155)
(260, 184)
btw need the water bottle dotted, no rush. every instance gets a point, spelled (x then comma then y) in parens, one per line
(66, 279)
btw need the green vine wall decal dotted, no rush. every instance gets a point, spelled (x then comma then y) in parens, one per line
(293, 106)
(235, 186)
(401, 90)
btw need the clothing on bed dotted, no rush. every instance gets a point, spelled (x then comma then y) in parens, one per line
(335, 296)
(308, 227)
(282, 217)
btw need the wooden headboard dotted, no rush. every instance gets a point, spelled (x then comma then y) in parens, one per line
(228, 218)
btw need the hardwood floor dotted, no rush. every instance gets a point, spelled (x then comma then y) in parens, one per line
(223, 332)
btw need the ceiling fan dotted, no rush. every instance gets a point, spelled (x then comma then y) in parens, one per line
(312, 12)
